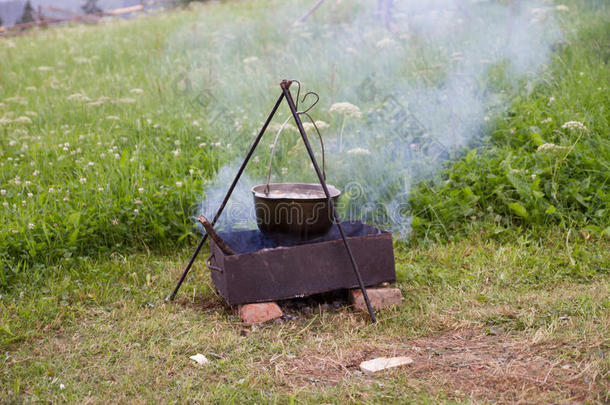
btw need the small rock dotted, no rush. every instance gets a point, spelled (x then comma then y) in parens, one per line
(257, 313)
(379, 297)
(200, 358)
(382, 363)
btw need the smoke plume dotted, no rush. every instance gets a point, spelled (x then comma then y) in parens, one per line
(401, 89)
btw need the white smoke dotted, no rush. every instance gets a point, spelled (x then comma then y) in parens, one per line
(427, 82)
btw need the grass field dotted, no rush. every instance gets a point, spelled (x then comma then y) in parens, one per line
(110, 132)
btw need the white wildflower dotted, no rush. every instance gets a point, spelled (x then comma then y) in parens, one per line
(359, 151)
(31, 226)
(23, 120)
(51, 190)
(100, 189)
(202, 144)
(136, 211)
(78, 97)
(308, 126)
(250, 59)
(321, 125)
(275, 126)
(550, 147)
(547, 120)
(347, 109)
(30, 195)
(284, 170)
(140, 190)
(28, 183)
(177, 142)
(5, 204)
(35, 173)
(113, 118)
(178, 184)
(136, 91)
(115, 222)
(30, 88)
(256, 159)
(137, 201)
(551, 100)
(83, 180)
(176, 152)
(574, 125)
(386, 43)
(196, 124)
(3, 192)
(81, 59)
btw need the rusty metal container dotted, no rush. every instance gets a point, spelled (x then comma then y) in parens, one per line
(266, 269)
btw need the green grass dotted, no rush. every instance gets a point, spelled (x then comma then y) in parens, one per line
(511, 179)
(507, 264)
(105, 333)
(110, 132)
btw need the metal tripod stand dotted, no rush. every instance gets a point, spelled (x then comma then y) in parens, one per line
(285, 85)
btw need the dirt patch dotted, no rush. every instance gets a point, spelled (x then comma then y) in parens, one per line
(465, 363)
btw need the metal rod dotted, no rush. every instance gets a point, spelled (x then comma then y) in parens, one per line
(285, 87)
(228, 195)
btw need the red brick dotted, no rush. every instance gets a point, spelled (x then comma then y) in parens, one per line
(261, 312)
(379, 297)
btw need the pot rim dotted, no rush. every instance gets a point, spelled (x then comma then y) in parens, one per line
(258, 192)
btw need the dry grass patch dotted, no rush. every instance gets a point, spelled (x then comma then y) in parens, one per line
(466, 363)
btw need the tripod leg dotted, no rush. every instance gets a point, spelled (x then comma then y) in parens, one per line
(227, 196)
(330, 200)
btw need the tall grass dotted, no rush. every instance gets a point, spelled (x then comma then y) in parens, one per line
(546, 161)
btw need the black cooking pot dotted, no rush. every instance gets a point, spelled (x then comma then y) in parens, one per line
(294, 209)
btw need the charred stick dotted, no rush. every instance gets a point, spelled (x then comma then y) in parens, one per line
(215, 237)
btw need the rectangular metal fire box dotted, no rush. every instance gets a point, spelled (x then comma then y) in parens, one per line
(267, 269)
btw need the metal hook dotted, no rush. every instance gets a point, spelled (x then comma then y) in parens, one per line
(311, 106)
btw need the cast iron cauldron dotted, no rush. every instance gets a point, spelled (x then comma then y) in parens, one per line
(293, 209)
(296, 210)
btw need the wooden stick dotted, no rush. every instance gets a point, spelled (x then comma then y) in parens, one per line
(215, 237)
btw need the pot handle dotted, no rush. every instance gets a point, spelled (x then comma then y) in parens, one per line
(277, 136)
